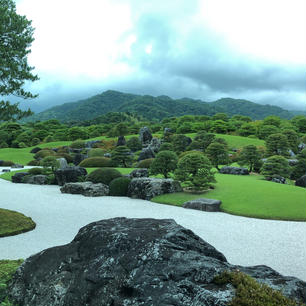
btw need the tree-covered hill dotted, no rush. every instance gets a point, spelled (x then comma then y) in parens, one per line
(157, 108)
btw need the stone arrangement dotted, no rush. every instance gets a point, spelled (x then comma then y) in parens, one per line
(234, 170)
(203, 204)
(135, 262)
(88, 189)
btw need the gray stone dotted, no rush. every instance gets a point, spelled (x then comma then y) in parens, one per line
(155, 144)
(38, 179)
(121, 141)
(278, 179)
(234, 170)
(145, 154)
(301, 182)
(109, 155)
(291, 153)
(62, 163)
(18, 177)
(146, 187)
(145, 136)
(17, 166)
(134, 262)
(292, 162)
(203, 204)
(6, 170)
(87, 189)
(69, 174)
(91, 143)
(141, 172)
(301, 146)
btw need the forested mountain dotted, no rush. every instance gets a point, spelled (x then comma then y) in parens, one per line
(156, 108)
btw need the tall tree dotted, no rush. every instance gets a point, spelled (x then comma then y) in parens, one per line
(16, 37)
(249, 156)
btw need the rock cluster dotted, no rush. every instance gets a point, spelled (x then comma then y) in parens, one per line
(69, 174)
(140, 172)
(203, 204)
(145, 136)
(87, 189)
(134, 262)
(146, 188)
(234, 170)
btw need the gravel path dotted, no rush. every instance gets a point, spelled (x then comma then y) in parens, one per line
(244, 241)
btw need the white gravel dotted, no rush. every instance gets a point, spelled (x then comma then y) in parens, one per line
(244, 241)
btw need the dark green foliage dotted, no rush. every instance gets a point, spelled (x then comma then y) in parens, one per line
(33, 163)
(277, 144)
(217, 154)
(249, 156)
(119, 186)
(77, 144)
(275, 165)
(300, 168)
(7, 163)
(96, 162)
(163, 163)
(3, 144)
(96, 152)
(44, 153)
(251, 293)
(146, 163)
(103, 175)
(293, 139)
(36, 171)
(219, 126)
(77, 132)
(272, 120)
(120, 129)
(121, 156)
(204, 139)
(35, 141)
(247, 129)
(265, 131)
(50, 162)
(300, 123)
(180, 142)
(134, 144)
(195, 171)
(166, 146)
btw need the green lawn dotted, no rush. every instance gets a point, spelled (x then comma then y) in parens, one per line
(250, 196)
(13, 223)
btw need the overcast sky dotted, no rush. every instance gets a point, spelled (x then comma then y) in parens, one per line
(203, 49)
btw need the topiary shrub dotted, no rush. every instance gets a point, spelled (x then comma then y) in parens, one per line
(7, 163)
(22, 145)
(96, 162)
(36, 171)
(103, 175)
(61, 150)
(35, 141)
(96, 152)
(33, 163)
(145, 163)
(78, 144)
(44, 153)
(3, 144)
(119, 186)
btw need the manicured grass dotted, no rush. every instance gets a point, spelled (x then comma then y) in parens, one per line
(13, 223)
(7, 269)
(250, 196)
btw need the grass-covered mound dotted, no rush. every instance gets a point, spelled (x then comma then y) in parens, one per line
(7, 269)
(13, 223)
(251, 293)
(250, 196)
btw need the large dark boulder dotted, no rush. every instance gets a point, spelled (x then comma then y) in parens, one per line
(301, 182)
(18, 177)
(146, 187)
(134, 262)
(69, 174)
(145, 136)
(234, 170)
(38, 179)
(35, 150)
(146, 153)
(87, 189)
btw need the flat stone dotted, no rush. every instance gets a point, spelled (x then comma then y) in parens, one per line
(203, 204)
(87, 189)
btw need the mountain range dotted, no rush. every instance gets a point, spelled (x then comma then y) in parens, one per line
(156, 108)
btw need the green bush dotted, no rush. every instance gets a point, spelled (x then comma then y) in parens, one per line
(33, 163)
(96, 152)
(103, 175)
(119, 186)
(61, 150)
(96, 162)
(78, 144)
(35, 141)
(166, 146)
(35, 171)
(3, 144)
(50, 162)
(22, 145)
(145, 163)
(7, 163)
(275, 165)
(44, 153)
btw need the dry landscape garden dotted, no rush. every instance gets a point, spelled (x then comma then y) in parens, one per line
(232, 171)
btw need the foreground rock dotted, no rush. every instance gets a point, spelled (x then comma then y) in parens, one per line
(19, 176)
(134, 262)
(87, 189)
(234, 170)
(203, 204)
(69, 174)
(146, 187)
(38, 179)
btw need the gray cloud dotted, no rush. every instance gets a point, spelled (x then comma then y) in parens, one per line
(187, 60)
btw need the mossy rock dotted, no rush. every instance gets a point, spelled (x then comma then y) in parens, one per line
(13, 223)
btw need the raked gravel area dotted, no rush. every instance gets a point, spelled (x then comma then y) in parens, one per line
(244, 241)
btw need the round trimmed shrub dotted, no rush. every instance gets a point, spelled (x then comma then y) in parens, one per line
(96, 152)
(35, 171)
(103, 175)
(96, 162)
(78, 144)
(33, 163)
(35, 141)
(119, 186)
(44, 153)
(7, 163)
(145, 163)
(22, 145)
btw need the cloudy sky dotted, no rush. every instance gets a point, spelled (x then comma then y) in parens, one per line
(203, 49)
